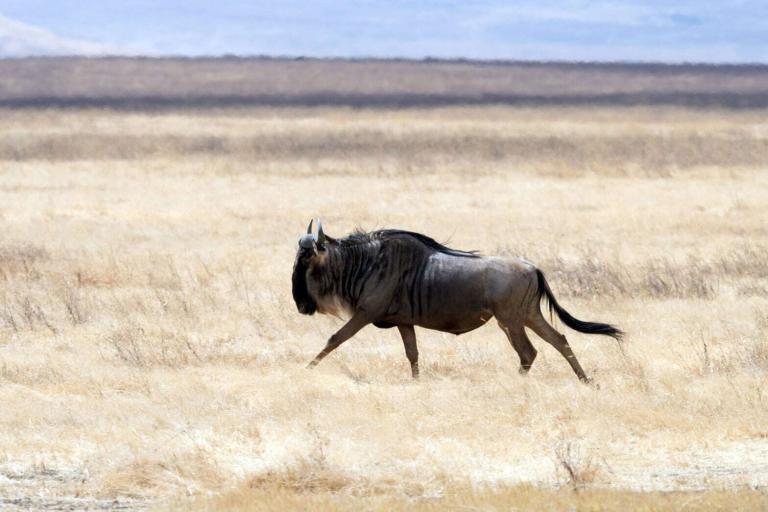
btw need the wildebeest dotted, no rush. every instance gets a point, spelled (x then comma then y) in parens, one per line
(394, 278)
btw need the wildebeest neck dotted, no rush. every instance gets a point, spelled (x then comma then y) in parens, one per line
(342, 273)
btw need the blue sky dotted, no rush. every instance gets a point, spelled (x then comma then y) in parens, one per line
(685, 30)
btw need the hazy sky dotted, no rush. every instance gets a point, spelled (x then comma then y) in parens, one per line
(683, 30)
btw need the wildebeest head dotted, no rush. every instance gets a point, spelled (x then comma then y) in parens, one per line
(312, 247)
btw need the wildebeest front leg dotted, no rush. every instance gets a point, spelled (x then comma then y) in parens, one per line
(408, 334)
(356, 323)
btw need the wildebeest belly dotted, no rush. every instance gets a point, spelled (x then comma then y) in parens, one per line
(453, 297)
(457, 324)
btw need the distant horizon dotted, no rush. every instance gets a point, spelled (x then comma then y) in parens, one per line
(427, 59)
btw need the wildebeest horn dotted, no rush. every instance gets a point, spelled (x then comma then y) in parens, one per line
(307, 241)
(320, 234)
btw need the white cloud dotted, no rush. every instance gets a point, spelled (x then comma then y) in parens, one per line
(18, 39)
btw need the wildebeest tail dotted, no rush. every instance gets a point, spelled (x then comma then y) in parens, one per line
(570, 321)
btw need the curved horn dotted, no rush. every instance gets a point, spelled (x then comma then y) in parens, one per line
(309, 228)
(320, 234)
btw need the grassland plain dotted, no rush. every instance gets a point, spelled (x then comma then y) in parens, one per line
(150, 352)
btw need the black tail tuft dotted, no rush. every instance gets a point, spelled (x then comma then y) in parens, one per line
(574, 323)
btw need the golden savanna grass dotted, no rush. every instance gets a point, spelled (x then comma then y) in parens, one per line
(150, 351)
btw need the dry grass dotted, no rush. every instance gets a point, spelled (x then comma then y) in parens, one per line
(523, 497)
(150, 349)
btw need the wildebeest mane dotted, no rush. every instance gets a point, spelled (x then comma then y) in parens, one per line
(352, 262)
(360, 237)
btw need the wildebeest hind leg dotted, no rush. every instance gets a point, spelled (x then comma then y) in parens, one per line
(408, 334)
(522, 345)
(557, 340)
(349, 329)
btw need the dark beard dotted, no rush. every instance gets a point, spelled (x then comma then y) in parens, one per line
(304, 302)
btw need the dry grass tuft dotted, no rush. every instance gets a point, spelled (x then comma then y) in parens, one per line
(576, 465)
(306, 478)
(21, 259)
